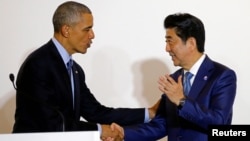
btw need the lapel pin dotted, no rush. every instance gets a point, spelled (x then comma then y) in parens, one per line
(205, 78)
(76, 71)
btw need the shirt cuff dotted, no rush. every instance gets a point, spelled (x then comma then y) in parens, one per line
(146, 119)
(99, 128)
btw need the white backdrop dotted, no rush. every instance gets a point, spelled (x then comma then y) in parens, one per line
(128, 54)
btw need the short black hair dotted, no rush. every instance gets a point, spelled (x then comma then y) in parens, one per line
(187, 25)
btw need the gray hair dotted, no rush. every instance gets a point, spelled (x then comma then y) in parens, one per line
(68, 13)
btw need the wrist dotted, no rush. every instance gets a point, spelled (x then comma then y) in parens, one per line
(150, 113)
(181, 102)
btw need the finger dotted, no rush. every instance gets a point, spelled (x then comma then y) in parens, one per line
(119, 128)
(109, 139)
(170, 79)
(162, 81)
(162, 89)
(112, 127)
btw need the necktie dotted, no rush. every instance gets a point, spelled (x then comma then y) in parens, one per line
(187, 83)
(69, 68)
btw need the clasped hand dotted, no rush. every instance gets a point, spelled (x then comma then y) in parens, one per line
(112, 132)
(172, 89)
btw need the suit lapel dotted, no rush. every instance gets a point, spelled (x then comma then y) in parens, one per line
(77, 90)
(202, 77)
(58, 62)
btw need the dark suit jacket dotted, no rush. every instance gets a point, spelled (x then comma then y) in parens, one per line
(210, 102)
(44, 97)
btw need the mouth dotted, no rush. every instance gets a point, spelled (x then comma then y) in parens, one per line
(89, 44)
(172, 55)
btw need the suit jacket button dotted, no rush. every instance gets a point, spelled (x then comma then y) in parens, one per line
(179, 138)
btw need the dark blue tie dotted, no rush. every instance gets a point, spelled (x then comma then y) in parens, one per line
(69, 68)
(187, 83)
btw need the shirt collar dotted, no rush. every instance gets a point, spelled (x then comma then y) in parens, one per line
(194, 69)
(62, 51)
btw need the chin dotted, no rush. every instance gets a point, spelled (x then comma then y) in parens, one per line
(83, 51)
(176, 64)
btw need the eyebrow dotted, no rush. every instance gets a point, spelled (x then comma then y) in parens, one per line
(168, 37)
(88, 27)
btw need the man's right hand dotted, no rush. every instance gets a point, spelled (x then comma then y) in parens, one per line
(117, 127)
(112, 132)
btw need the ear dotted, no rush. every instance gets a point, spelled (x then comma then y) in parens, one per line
(191, 42)
(65, 31)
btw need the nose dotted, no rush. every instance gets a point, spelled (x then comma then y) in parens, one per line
(91, 34)
(167, 48)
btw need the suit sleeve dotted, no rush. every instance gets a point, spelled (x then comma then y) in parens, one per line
(93, 111)
(154, 130)
(151, 131)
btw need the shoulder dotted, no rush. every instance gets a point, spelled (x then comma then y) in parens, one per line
(222, 70)
(42, 57)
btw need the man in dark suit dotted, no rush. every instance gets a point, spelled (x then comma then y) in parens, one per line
(51, 99)
(185, 115)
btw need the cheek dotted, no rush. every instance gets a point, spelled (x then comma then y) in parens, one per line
(84, 37)
(179, 49)
(179, 53)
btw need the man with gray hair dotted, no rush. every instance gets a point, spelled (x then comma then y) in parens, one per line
(52, 94)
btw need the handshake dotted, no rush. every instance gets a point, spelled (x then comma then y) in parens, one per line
(115, 132)
(112, 132)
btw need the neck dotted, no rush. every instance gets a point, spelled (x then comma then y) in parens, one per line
(194, 58)
(63, 41)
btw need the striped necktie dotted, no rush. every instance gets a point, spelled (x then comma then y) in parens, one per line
(187, 83)
(69, 68)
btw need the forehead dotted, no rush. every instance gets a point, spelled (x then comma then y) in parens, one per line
(86, 20)
(170, 33)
